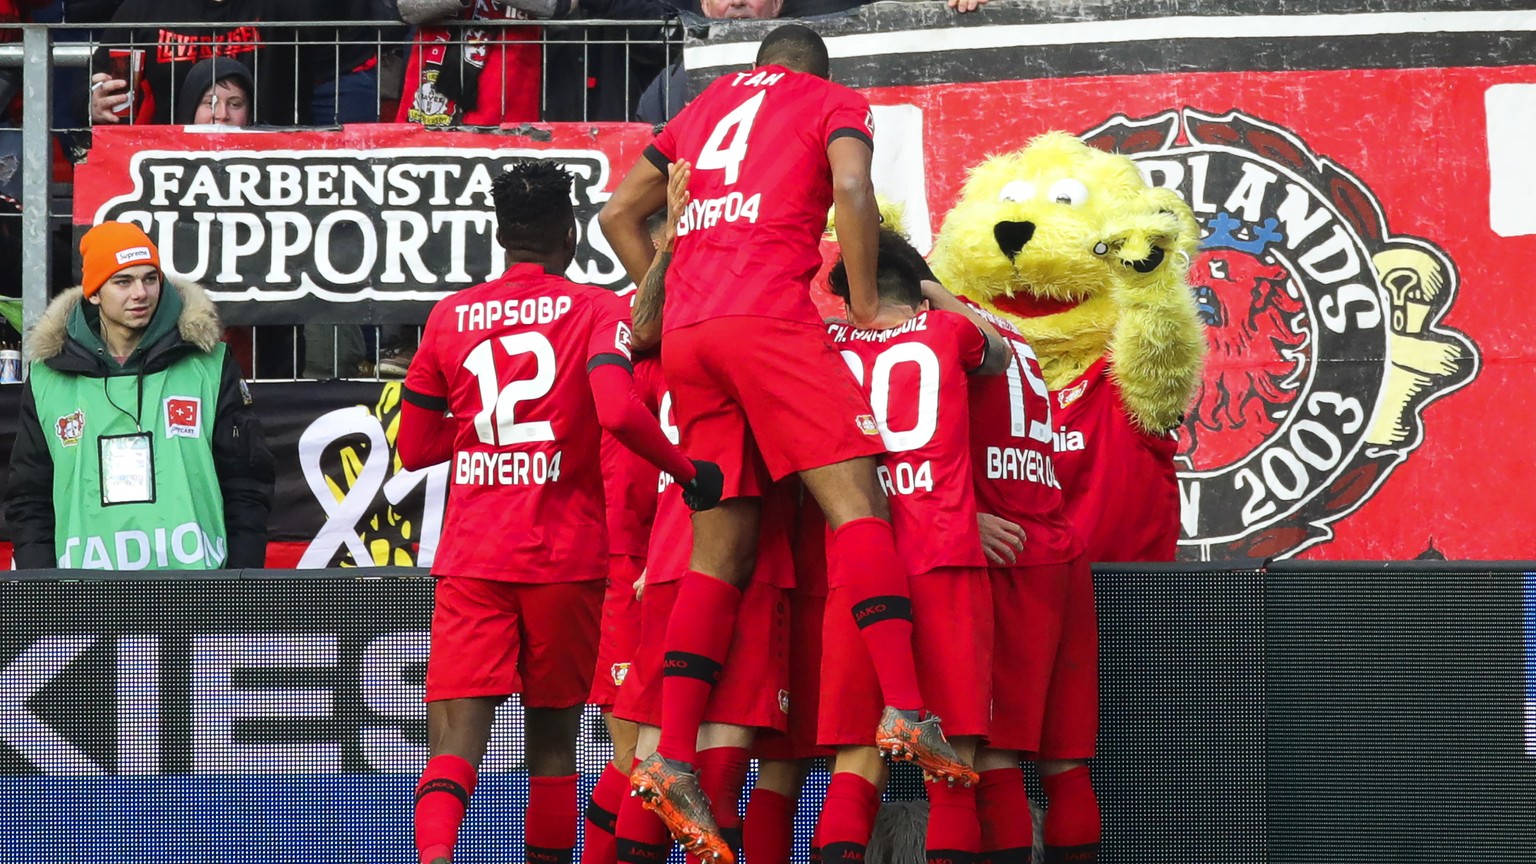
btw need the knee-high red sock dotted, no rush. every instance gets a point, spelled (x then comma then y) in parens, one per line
(769, 833)
(1002, 804)
(862, 557)
(722, 773)
(549, 830)
(642, 838)
(847, 818)
(598, 844)
(1072, 827)
(954, 834)
(442, 796)
(698, 635)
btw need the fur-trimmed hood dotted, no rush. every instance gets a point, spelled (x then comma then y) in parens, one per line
(198, 324)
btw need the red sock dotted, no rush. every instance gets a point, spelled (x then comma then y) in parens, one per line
(842, 833)
(1072, 827)
(698, 635)
(441, 799)
(598, 844)
(549, 830)
(954, 834)
(770, 828)
(862, 557)
(642, 838)
(722, 773)
(1002, 803)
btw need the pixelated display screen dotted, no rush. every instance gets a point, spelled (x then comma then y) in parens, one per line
(1248, 716)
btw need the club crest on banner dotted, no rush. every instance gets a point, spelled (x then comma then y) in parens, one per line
(1323, 326)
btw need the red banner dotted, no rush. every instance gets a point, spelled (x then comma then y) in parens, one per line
(1395, 434)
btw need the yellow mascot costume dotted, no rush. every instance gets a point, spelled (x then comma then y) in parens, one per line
(1070, 245)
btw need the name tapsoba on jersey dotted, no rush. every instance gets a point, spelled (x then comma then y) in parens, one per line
(916, 378)
(761, 186)
(510, 360)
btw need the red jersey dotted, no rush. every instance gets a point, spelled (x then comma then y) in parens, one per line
(1013, 454)
(510, 359)
(1120, 486)
(748, 244)
(915, 376)
(629, 494)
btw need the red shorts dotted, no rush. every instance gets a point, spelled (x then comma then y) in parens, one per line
(753, 689)
(620, 629)
(752, 393)
(805, 626)
(1046, 674)
(951, 639)
(493, 638)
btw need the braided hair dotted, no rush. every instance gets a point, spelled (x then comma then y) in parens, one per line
(533, 206)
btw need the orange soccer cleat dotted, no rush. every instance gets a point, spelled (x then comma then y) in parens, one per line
(672, 792)
(903, 736)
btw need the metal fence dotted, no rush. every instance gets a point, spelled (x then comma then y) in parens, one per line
(314, 74)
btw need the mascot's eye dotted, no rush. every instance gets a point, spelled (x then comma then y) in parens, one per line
(1018, 192)
(1069, 191)
(1218, 270)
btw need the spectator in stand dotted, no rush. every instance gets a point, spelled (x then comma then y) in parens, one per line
(284, 86)
(347, 60)
(478, 72)
(12, 12)
(669, 92)
(610, 65)
(216, 91)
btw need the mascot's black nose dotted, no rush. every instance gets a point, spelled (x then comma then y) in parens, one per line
(1011, 236)
(1149, 263)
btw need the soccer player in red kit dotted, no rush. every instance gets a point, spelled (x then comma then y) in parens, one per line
(914, 363)
(1045, 699)
(759, 389)
(750, 697)
(531, 368)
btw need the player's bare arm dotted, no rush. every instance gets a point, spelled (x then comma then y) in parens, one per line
(858, 224)
(642, 192)
(999, 352)
(645, 314)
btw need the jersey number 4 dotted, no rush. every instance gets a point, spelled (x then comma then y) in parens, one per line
(495, 423)
(737, 125)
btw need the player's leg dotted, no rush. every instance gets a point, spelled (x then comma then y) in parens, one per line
(560, 633)
(615, 657)
(725, 753)
(458, 731)
(471, 669)
(642, 837)
(699, 630)
(862, 556)
(954, 832)
(550, 828)
(769, 833)
(1070, 730)
(1001, 798)
(852, 803)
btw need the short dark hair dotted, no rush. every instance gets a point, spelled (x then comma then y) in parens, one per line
(797, 47)
(899, 272)
(533, 205)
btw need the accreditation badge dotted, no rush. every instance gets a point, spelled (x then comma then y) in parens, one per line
(127, 469)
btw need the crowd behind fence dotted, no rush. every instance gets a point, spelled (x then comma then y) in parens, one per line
(61, 81)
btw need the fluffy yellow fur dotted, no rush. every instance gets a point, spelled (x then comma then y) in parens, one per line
(1072, 246)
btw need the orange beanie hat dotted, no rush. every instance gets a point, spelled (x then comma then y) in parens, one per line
(110, 247)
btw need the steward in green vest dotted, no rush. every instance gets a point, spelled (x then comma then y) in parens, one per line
(137, 448)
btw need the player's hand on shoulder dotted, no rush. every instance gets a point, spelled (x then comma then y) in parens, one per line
(704, 490)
